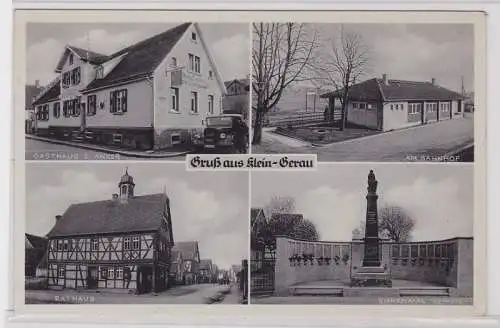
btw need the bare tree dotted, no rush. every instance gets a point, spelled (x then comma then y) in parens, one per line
(279, 204)
(344, 63)
(394, 224)
(280, 55)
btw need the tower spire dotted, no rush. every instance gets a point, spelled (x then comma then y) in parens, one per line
(126, 185)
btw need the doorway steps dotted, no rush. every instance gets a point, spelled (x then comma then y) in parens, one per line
(341, 291)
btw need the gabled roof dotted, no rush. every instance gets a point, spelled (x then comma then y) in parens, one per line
(50, 93)
(87, 55)
(254, 214)
(35, 241)
(141, 59)
(236, 268)
(244, 82)
(137, 214)
(31, 91)
(90, 56)
(188, 249)
(396, 90)
(205, 264)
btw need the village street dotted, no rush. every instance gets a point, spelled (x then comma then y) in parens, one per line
(190, 294)
(422, 143)
(41, 150)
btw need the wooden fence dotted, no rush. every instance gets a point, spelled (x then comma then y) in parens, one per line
(300, 119)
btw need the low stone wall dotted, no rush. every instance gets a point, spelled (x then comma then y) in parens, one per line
(445, 262)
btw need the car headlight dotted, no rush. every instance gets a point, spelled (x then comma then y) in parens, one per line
(222, 135)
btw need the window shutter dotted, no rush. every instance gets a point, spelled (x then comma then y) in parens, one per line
(111, 102)
(124, 101)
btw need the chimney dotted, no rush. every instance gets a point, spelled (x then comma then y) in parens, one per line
(384, 79)
(58, 217)
(37, 84)
(433, 81)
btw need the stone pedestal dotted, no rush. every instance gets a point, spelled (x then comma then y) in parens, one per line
(370, 277)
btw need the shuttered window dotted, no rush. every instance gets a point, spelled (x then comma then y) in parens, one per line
(118, 101)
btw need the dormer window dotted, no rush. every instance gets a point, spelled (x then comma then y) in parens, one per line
(193, 36)
(99, 73)
(71, 59)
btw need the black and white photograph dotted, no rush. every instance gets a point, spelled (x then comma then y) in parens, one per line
(107, 233)
(364, 91)
(136, 91)
(363, 234)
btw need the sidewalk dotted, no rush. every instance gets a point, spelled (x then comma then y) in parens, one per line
(233, 297)
(130, 153)
(190, 294)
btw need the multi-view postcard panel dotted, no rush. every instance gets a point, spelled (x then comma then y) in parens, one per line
(364, 92)
(150, 231)
(136, 91)
(108, 233)
(363, 234)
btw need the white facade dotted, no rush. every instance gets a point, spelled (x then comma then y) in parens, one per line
(201, 84)
(139, 112)
(169, 108)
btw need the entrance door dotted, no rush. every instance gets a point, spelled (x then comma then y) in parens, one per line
(92, 277)
(145, 279)
(83, 112)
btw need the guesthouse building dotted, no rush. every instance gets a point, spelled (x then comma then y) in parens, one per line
(151, 95)
(385, 104)
(121, 244)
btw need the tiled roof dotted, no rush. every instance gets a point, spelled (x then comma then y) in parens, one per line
(90, 56)
(396, 90)
(139, 213)
(187, 248)
(35, 241)
(142, 58)
(31, 91)
(52, 93)
(205, 264)
(254, 212)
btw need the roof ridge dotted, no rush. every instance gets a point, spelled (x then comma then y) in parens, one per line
(144, 42)
(111, 200)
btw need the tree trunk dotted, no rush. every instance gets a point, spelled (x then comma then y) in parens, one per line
(257, 128)
(344, 111)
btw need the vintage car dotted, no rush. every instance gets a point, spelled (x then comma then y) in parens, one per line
(219, 134)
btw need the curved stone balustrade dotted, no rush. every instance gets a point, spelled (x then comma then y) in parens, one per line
(445, 262)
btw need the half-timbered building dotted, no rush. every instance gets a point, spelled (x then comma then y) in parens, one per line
(123, 243)
(190, 261)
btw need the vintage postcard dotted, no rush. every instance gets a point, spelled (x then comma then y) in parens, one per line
(267, 167)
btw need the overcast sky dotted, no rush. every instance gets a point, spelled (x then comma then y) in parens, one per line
(416, 52)
(211, 208)
(229, 44)
(438, 197)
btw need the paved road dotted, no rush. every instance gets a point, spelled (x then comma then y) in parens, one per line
(191, 294)
(414, 144)
(40, 150)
